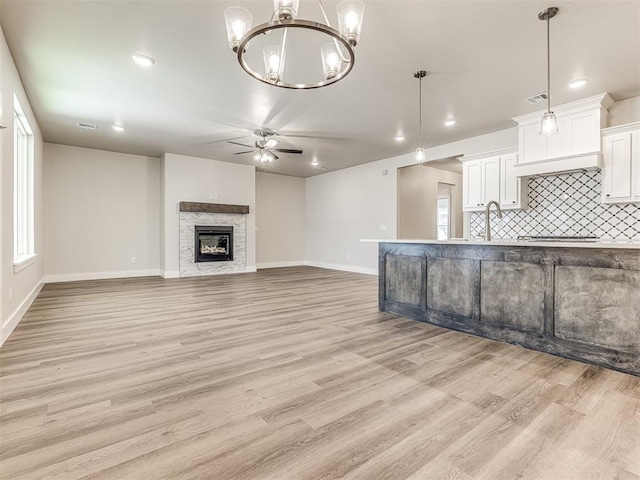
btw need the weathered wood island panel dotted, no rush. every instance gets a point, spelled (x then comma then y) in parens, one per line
(576, 302)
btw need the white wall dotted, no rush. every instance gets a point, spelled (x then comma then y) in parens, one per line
(418, 190)
(101, 209)
(25, 284)
(345, 206)
(280, 220)
(625, 111)
(191, 179)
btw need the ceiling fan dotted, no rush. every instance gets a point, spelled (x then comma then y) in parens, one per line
(265, 147)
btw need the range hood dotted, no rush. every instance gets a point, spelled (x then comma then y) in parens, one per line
(567, 164)
(577, 145)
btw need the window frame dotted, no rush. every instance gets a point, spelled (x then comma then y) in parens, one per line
(23, 190)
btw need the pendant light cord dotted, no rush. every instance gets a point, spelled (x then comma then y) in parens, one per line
(548, 67)
(420, 110)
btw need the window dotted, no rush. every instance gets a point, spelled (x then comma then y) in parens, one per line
(443, 218)
(23, 245)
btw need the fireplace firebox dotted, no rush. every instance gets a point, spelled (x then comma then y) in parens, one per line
(214, 244)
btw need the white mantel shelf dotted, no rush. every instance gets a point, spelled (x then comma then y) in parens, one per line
(617, 244)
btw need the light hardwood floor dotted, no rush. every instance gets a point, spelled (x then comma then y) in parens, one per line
(292, 374)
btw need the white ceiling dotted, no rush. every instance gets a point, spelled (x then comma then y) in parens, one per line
(484, 58)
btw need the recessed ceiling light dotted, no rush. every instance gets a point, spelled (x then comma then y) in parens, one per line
(314, 162)
(580, 82)
(450, 123)
(118, 128)
(400, 138)
(143, 60)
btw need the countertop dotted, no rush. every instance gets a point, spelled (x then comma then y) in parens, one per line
(621, 244)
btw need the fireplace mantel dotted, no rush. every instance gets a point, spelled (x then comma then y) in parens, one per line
(214, 208)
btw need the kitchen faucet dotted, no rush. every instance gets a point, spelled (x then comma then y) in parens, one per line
(487, 223)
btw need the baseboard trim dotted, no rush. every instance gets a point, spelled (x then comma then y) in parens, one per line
(12, 322)
(344, 268)
(170, 274)
(298, 263)
(74, 277)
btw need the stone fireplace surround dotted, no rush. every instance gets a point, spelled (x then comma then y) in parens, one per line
(212, 214)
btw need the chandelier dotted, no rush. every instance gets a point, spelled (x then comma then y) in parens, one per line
(331, 57)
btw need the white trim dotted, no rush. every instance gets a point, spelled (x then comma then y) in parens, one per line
(73, 277)
(627, 127)
(344, 268)
(557, 165)
(23, 262)
(602, 100)
(170, 274)
(297, 263)
(493, 153)
(12, 322)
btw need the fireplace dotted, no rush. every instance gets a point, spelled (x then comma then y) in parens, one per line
(214, 244)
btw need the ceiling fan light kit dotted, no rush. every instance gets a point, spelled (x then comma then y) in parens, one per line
(336, 56)
(549, 123)
(263, 149)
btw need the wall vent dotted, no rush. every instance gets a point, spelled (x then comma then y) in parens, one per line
(87, 126)
(537, 98)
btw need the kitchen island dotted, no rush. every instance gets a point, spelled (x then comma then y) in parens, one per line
(577, 300)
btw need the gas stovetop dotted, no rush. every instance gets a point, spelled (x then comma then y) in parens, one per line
(562, 238)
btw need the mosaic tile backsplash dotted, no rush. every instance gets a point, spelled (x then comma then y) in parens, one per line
(567, 204)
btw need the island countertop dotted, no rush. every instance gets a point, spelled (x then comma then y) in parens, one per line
(603, 243)
(555, 297)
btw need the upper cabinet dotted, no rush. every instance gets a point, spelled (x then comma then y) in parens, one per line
(621, 164)
(491, 176)
(575, 146)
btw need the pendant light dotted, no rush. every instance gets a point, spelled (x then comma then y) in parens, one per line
(549, 123)
(420, 157)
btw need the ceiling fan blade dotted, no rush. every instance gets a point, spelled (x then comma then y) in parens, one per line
(276, 157)
(242, 153)
(286, 150)
(241, 144)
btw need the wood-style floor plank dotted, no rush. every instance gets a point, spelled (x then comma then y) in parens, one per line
(292, 374)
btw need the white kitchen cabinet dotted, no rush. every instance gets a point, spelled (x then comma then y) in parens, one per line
(491, 176)
(577, 145)
(621, 164)
(513, 190)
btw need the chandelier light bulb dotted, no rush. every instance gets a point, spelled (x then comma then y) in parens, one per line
(286, 9)
(350, 16)
(273, 62)
(420, 154)
(549, 124)
(331, 61)
(238, 21)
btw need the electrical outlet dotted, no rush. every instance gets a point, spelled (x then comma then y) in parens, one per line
(10, 293)
(133, 259)
(383, 228)
(348, 256)
(211, 196)
(215, 196)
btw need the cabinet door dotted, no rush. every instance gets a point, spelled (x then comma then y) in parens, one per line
(472, 185)
(509, 183)
(635, 165)
(533, 146)
(490, 180)
(616, 172)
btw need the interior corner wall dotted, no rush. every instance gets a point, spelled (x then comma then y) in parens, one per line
(360, 202)
(280, 221)
(101, 214)
(192, 179)
(417, 201)
(17, 289)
